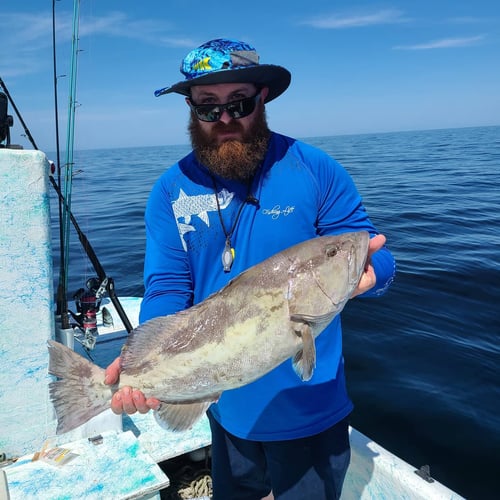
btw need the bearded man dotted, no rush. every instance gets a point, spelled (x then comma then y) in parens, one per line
(243, 194)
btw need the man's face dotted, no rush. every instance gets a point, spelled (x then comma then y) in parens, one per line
(230, 147)
(227, 128)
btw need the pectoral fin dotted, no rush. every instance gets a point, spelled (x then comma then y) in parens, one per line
(304, 361)
(180, 417)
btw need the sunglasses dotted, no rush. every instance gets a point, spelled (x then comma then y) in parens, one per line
(235, 109)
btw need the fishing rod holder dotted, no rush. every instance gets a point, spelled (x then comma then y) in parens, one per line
(6, 121)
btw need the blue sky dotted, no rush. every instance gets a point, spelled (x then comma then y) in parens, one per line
(357, 67)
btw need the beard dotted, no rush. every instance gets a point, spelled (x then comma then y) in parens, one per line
(232, 159)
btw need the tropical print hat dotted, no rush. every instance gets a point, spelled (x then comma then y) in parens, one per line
(228, 61)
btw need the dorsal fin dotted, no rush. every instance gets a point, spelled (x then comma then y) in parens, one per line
(157, 334)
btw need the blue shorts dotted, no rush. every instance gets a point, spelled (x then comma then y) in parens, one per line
(299, 469)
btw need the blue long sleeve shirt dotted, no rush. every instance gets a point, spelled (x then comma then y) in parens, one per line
(299, 193)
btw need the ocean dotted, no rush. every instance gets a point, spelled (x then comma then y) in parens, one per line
(422, 362)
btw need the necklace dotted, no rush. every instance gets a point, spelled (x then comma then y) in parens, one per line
(228, 254)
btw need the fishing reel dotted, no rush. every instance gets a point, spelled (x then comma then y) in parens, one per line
(88, 302)
(90, 298)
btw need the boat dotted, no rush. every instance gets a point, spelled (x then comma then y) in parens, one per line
(110, 456)
(105, 446)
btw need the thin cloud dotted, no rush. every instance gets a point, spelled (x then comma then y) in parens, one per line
(120, 25)
(468, 20)
(337, 21)
(444, 43)
(25, 30)
(176, 41)
(25, 37)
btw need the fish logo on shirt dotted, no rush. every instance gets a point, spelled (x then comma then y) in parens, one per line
(185, 207)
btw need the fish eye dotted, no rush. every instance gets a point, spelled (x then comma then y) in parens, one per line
(331, 250)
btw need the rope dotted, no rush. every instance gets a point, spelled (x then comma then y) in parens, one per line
(188, 483)
(200, 487)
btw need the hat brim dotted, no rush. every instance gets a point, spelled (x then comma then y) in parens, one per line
(275, 78)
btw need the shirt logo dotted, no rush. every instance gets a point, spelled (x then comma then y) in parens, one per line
(277, 211)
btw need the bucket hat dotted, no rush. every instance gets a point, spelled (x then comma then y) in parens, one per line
(228, 61)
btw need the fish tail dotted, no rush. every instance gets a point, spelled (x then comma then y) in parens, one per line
(80, 392)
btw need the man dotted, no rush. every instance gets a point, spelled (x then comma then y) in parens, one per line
(242, 195)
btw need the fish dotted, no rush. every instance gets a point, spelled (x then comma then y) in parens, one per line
(268, 314)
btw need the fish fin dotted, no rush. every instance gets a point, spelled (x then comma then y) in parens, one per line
(107, 318)
(180, 416)
(80, 392)
(204, 217)
(304, 361)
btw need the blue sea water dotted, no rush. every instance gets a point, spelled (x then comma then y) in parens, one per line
(423, 361)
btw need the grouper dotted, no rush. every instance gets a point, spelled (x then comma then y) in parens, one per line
(270, 313)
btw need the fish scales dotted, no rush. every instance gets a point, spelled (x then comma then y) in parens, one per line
(268, 314)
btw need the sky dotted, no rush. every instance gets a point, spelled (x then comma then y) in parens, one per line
(357, 66)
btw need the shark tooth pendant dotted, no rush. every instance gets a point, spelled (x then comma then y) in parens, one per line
(227, 256)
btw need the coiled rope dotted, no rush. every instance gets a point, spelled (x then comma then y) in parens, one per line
(189, 483)
(199, 487)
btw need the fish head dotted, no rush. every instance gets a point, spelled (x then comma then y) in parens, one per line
(344, 262)
(326, 272)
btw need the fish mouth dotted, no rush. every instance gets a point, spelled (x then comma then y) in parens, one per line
(312, 319)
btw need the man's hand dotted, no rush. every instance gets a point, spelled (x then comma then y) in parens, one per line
(126, 399)
(368, 278)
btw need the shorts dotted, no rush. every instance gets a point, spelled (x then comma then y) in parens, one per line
(313, 467)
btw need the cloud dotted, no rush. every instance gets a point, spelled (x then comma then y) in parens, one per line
(336, 21)
(25, 32)
(24, 29)
(468, 20)
(26, 38)
(23, 37)
(444, 43)
(120, 25)
(176, 41)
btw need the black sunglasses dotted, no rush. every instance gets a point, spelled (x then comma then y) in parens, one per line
(235, 109)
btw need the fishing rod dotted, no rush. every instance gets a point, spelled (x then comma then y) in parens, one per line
(61, 301)
(65, 200)
(104, 280)
(68, 172)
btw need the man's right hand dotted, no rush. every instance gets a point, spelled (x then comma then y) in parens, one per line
(126, 399)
